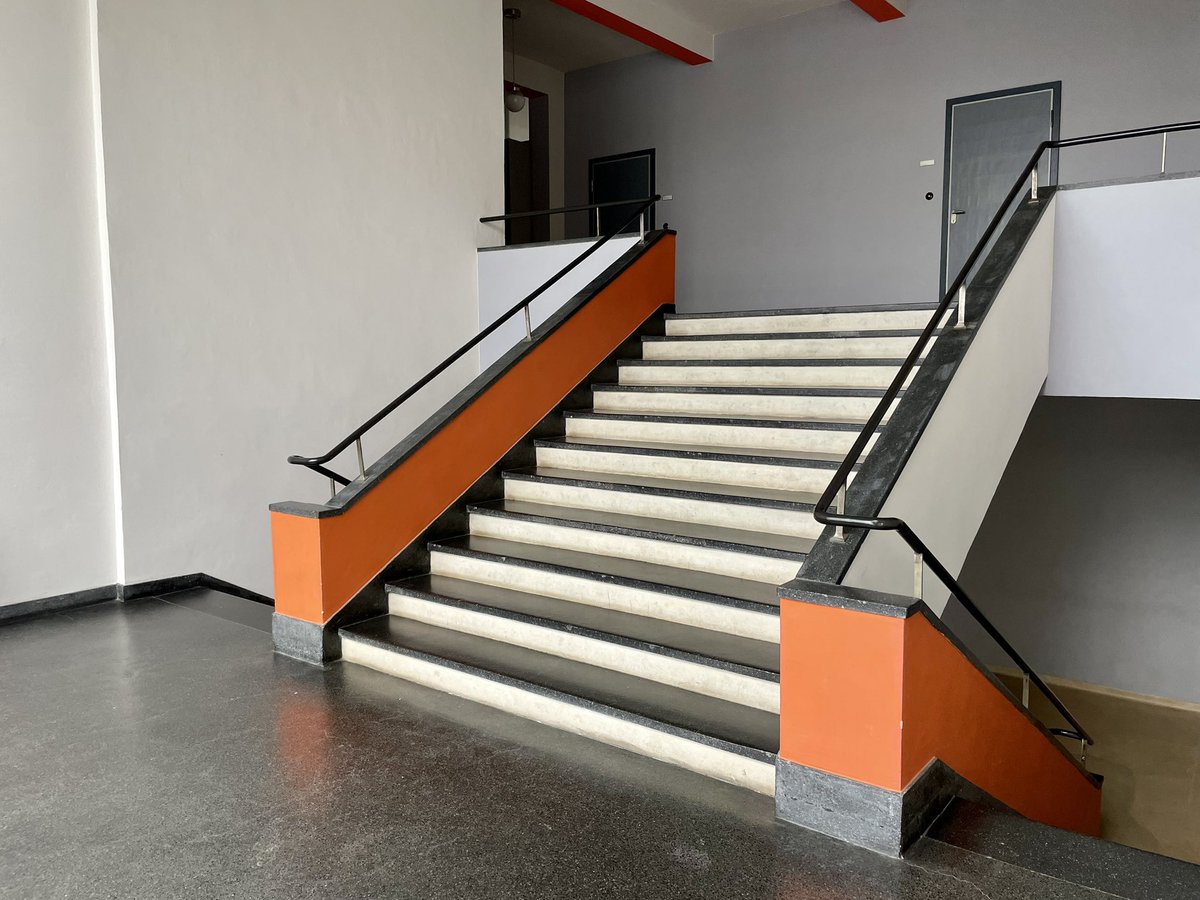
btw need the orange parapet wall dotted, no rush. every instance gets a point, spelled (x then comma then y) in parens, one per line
(875, 696)
(322, 561)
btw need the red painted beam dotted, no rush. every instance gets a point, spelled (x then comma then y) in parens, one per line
(602, 16)
(880, 10)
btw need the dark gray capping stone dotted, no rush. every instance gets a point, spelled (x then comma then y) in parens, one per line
(353, 492)
(305, 641)
(862, 814)
(830, 559)
(841, 596)
(1133, 179)
(806, 310)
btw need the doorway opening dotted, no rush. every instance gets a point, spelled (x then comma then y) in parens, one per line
(989, 140)
(623, 176)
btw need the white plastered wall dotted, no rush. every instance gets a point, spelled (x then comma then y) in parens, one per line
(293, 196)
(947, 485)
(57, 519)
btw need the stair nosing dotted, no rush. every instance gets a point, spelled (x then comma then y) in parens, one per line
(795, 363)
(746, 458)
(674, 418)
(843, 334)
(590, 633)
(532, 474)
(807, 310)
(655, 587)
(700, 737)
(737, 390)
(484, 509)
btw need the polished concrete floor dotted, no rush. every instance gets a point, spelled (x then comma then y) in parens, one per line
(158, 749)
(1149, 755)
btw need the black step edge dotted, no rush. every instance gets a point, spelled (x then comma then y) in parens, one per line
(807, 310)
(685, 450)
(730, 363)
(702, 419)
(593, 521)
(610, 637)
(687, 490)
(783, 335)
(510, 552)
(735, 390)
(365, 632)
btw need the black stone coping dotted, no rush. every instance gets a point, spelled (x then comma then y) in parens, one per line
(789, 363)
(806, 310)
(795, 458)
(351, 493)
(735, 390)
(841, 596)
(881, 468)
(603, 415)
(616, 625)
(784, 336)
(723, 590)
(713, 537)
(1086, 861)
(668, 487)
(1132, 179)
(737, 729)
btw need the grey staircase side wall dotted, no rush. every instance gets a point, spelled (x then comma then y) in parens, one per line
(947, 484)
(794, 157)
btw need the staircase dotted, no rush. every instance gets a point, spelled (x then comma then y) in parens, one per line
(625, 588)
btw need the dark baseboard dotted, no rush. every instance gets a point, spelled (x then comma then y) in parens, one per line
(126, 593)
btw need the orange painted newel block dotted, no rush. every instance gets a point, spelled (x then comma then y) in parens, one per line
(325, 554)
(880, 705)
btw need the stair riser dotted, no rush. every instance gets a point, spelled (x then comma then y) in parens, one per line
(875, 321)
(813, 440)
(771, 520)
(663, 553)
(848, 409)
(711, 681)
(607, 595)
(618, 732)
(784, 478)
(782, 348)
(760, 376)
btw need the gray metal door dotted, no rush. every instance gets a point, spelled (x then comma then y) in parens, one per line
(989, 139)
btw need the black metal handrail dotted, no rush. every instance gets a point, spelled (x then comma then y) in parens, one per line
(841, 477)
(317, 463)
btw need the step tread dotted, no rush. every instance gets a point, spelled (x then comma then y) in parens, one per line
(811, 458)
(695, 490)
(740, 729)
(739, 390)
(750, 657)
(733, 539)
(799, 423)
(704, 586)
(784, 335)
(807, 310)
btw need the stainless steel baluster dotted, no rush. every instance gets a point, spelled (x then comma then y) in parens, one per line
(1033, 190)
(332, 488)
(962, 307)
(362, 469)
(528, 325)
(1025, 690)
(642, 227)
(597, 211)
(918, 576)
(839, 532)
(1163, 168)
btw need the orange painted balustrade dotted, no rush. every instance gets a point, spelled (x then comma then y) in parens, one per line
(324, 555)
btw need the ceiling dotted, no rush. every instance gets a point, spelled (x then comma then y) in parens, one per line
(563, 40)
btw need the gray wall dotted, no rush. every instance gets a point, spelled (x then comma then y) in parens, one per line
(794, 156)
(1127, 291)
(1087, 559)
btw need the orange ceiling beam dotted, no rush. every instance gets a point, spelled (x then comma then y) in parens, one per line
(881, 10)
(621, 25)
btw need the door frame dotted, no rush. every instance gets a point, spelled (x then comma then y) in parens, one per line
(614, 158)
(1055, 89)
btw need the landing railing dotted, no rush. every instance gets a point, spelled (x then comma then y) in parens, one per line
(318, 463)
(956, 296)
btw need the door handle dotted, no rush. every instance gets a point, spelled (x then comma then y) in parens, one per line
(955, 213)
